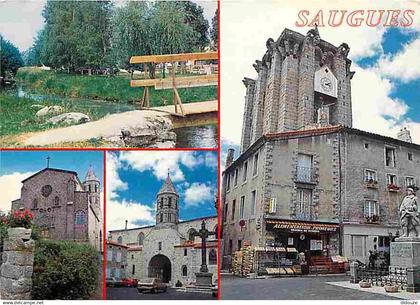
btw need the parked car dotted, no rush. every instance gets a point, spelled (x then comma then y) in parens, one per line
(215, 288)
(129, 282)
(113, 282)
(151, 284)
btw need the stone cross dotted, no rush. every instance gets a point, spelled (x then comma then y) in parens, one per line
(48, 161)
(204, 234)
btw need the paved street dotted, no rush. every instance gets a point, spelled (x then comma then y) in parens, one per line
(293, 288)
(124, 293)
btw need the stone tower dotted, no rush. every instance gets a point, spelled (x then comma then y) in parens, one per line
(303, 82)
(92, 186)
(167, 209)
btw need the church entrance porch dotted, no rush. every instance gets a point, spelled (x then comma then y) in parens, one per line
(160, 267)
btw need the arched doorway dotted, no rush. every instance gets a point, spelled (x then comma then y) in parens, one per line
(160, 267)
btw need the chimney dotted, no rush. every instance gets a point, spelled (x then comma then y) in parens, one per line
(126, 222)
(229, 158)
(404, 135)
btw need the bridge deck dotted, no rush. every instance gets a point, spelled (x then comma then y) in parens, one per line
(190, 108)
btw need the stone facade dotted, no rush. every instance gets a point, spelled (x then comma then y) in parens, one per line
(64, 207)
(17, 265)
(169, 249)
(307, 166)
(116, 260)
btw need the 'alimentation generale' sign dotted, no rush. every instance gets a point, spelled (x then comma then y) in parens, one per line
(304, 227)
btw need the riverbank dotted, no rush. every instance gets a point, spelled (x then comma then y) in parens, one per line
(112, 88)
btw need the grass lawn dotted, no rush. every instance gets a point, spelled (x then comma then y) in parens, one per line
(114, 88)
(17, 115)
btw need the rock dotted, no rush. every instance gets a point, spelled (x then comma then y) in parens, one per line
(156, 133)
(70, 118)
(37, 106)
(49, 110)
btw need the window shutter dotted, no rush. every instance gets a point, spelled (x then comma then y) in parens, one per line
(273, 206)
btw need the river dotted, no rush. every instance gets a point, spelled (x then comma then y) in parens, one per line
(203, 136)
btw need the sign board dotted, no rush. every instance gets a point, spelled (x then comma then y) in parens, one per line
(316, 244)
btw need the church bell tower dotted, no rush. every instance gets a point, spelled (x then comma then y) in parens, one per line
(167, 208)
(92, 186)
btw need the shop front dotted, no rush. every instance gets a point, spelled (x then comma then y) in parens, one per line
(316, 244)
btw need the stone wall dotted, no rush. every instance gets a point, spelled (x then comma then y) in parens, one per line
(17, 268)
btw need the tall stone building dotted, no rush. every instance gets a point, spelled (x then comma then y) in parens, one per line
(169, 249)
(305, 179)
(63, 206)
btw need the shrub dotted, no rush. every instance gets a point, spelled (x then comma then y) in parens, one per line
(64, 270)
(20, 218)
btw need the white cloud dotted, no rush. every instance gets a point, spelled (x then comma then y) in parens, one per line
(10, 186)
(113, 181)
(160, 162)
(197, 194)
(120, 211)
(405, 65)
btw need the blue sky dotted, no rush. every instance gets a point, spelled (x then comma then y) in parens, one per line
(18, 165)
(135, 177)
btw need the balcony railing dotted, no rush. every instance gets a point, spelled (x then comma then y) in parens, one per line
(305, 174)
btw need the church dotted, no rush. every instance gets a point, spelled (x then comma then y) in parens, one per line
(64, 207)
(170, 249)
(305, 180)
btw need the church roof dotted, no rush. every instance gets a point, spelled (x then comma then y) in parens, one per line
(90, 176)
(168, 186)
(50, 169)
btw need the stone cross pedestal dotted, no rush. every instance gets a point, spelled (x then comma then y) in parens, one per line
(204, 277)
(17, 267)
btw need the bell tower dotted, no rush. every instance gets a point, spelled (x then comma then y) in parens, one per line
(92, 186)
(167, 208)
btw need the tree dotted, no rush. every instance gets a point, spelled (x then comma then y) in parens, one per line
(10, 58)
(194, 17)
(214, 29)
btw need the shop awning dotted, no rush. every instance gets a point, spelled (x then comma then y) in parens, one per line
(301, 226)
(290, 249)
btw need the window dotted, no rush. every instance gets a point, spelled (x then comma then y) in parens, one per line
(245, 173)
(230, 246)
(304, 168)
(255, 168)
(160, 246)
(239, 244)
(228, 182)
(169, 202)
(410, 181)
(132, 256)
(140, 238)
(391, 179)
(160, 217)
(118, 259)
(233, 210)
(109, 255)
(133, 269)
(371, 209)
(304, 202)
(120, 239)
(185, 252)
(383, 242)
(366, 145)
(358, 245)
(184, 270)
(56, 200)
(236, 176)
(35, 203)
(253, 202)
(80, 218)
(225, 212)
(160, 202)
(390, 157)
(212, 257)
(242, 208)
(410, 156)
(370, 175)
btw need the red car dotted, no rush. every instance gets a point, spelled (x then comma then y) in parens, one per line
(129, 283)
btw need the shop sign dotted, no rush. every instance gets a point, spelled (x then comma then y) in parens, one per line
(304, 227)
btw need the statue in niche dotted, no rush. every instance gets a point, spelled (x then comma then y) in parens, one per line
(409, 215)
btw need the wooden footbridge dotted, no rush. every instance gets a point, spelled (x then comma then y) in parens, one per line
(201, 110)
